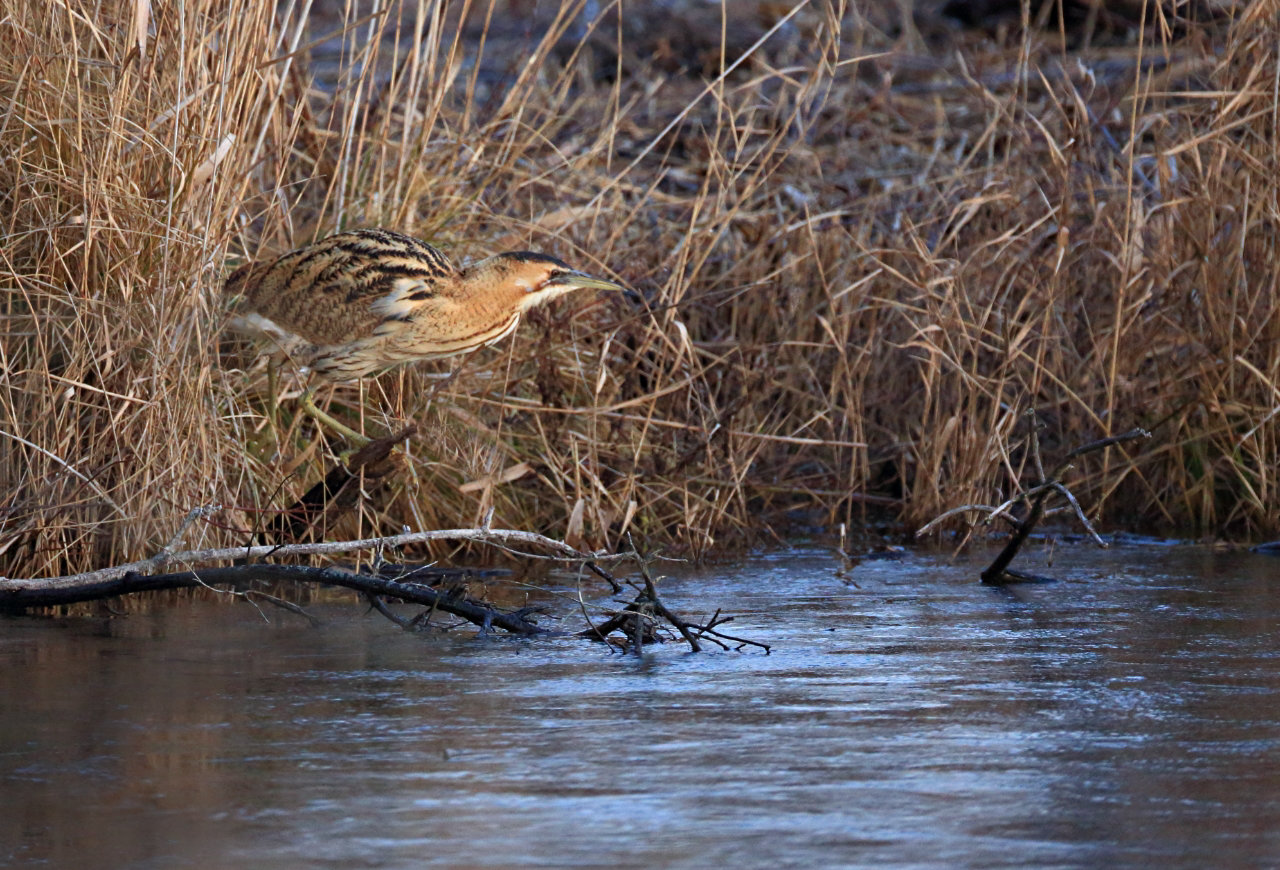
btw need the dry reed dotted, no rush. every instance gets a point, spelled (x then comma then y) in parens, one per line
(863, 264)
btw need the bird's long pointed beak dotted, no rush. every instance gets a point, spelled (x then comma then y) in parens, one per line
(587, 282)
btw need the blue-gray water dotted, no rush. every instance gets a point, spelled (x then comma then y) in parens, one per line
(1126, 716)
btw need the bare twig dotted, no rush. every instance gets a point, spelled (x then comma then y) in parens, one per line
(381, 606)
(1084, 521)
(251, 594)
(1132, 434)
(603, 574)
(991, 511)
(717, 619)
(166, 552)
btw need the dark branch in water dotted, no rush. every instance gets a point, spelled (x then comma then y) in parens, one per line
(604, 575)
(370, 585)
(381, 606)
(999, 572)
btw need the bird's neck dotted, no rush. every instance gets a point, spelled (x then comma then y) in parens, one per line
(542, 296)
(511, 294)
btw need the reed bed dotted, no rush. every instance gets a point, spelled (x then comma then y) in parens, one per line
(870, 257)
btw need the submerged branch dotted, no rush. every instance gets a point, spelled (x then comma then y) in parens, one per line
(999, 572)
(473, 611)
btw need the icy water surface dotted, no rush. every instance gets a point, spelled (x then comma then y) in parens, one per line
(1126, 716)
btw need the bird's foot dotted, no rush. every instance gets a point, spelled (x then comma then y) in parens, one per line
(356, 439)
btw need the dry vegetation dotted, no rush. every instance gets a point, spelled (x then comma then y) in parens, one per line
(865, 258)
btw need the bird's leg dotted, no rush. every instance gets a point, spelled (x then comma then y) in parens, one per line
(309, 407)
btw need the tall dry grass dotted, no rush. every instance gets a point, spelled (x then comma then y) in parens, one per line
(126, 158)
(864, 264)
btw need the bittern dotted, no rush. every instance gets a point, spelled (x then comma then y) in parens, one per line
(358, 303)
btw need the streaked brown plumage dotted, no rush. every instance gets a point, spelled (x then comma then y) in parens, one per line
(358, 303)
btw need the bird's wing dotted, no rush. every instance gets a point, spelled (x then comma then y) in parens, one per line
(343, 287)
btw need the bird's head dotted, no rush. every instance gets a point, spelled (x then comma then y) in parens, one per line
(537, 278)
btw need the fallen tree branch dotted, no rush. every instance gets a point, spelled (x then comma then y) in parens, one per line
(639, 620)
(997, 572)
(473, 611)
(27, 592)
